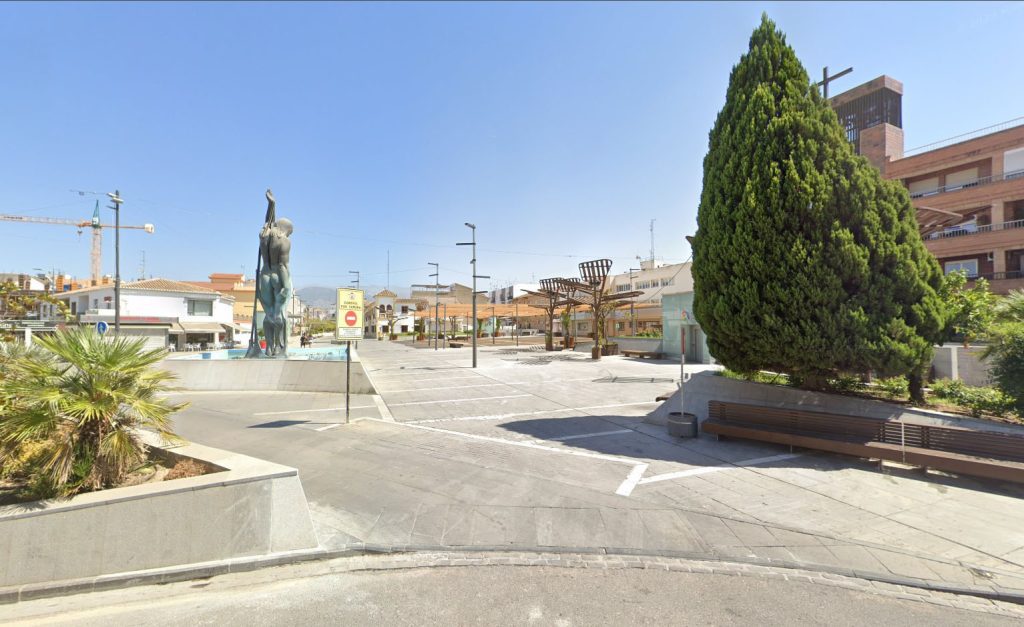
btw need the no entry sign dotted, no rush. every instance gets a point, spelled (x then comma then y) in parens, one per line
(349, 314)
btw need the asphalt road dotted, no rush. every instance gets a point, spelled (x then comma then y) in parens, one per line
(493, 595)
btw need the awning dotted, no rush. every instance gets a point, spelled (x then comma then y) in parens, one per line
(198, 327)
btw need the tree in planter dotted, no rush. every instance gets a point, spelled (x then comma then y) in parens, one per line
(1006, 347)
(81, 399)
(806, 261)
(969, 311)
(566, 319)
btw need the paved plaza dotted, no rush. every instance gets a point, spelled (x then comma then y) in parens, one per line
(535, 450)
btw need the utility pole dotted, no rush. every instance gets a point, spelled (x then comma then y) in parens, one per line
(475, 277)
(116, 199)
(142, 267)
(826, 79)
(436, 275)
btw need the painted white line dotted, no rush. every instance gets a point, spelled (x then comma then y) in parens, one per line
(329, 427)
(708, 469)
(591, 435)
(549, 381)
(385, 413)
(450, 387)
(617, 405)
(489, 417)
(308, 411)
(626, 488)
(426, 378)
(521, 443)
(459, 400)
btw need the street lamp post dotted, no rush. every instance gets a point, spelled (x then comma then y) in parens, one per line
(475, 277)
(436, 275)
(116, 199)
(632, 301)
(494, 325)
(356, 281)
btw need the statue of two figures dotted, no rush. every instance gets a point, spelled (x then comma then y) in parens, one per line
(273, 284)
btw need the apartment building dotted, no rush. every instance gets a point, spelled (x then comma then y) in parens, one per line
(968, 190)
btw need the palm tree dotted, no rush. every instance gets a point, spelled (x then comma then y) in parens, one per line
(1011, 307)
(84, 398)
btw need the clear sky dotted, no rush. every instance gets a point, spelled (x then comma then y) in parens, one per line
(561, 130)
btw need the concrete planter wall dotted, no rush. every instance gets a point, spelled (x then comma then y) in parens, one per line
(956, 362)
(652, 344)
(266, 374)
(251, 508)
(708, 386)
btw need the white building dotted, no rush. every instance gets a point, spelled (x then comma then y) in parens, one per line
(378, 314)
(165, 312)
(505, 294)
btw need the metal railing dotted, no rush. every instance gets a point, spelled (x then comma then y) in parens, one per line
(988, 130)
(999, 276)
(984, 180)
(973, 229)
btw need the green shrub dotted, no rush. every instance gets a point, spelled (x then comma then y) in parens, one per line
(846, 383)
(1006, 353)
(977, 400)
(894, 387)
(773, 378)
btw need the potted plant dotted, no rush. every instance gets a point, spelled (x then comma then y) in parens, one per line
(567, 339)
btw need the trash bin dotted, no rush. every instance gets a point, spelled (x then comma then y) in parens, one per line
(682, 425)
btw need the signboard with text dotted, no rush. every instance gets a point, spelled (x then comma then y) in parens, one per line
(349, 314)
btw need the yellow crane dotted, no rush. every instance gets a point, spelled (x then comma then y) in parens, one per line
(97, 233)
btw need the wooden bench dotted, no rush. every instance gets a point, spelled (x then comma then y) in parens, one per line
(990, 454)
(643, 354)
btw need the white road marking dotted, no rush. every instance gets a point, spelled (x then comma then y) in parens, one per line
(425, 378)
(308, 411)
(385, 413)
(490, 416)
(618, 405)
(522, 443)
(329, 427)
(626, 488)
(708, 469)
(450, 387)
(591, 435)
(460, 400)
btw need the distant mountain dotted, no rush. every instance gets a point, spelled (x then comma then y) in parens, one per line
(318, 296)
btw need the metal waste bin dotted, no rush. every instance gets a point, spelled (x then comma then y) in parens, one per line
(682, 425)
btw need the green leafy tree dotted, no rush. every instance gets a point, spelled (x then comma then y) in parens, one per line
(969, 311)
(1005, 351)
(81, 399)
(805, 260)
(1011, 307)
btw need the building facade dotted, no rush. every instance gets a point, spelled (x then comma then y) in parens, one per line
(968, 190)
(166, 313)
(387, 309)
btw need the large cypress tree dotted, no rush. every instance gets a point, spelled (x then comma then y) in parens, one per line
(805, 260)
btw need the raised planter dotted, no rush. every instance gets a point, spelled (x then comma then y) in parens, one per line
(702, 387)
(250, 508)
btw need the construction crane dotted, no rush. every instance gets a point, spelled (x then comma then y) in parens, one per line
(97, 233)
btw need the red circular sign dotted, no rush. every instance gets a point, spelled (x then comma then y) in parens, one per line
(350, 318)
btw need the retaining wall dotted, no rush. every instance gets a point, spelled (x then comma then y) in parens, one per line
(702, 387)
(252, 507)
(266, 374)
(956, 362)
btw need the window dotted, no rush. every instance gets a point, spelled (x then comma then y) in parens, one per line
(200, 307)
(405, 328)
(961, 178)
(969, 265)
(405, 309)
(667, 282)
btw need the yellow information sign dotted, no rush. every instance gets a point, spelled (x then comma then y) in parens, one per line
(349, 314)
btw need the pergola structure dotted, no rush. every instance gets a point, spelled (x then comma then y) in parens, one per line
(550, 289)
(590, 290)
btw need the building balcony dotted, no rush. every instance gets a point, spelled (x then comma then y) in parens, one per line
(978, 182)
(1002, 282)
(965, 239)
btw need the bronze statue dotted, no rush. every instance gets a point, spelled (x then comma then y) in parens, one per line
(273, 283)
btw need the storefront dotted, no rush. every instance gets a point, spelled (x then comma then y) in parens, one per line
(200, 335)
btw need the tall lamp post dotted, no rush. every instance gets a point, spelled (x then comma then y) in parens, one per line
(494, 325)
(356, 281)
(632, 301)
(475, 277)
(116, 199)
(436, 275)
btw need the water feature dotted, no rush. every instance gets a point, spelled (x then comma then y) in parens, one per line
(320, 353)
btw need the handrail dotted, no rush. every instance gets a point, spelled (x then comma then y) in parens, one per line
(949, 141)
(984, 180)
(972, 229)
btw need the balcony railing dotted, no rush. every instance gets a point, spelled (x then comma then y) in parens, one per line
(973, 229)
(998, 276)
(985, 180)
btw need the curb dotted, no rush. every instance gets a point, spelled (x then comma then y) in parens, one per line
(204, 570)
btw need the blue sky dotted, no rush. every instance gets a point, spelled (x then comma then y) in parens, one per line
(560, 130)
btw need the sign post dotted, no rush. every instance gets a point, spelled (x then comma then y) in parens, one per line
(348, 326)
